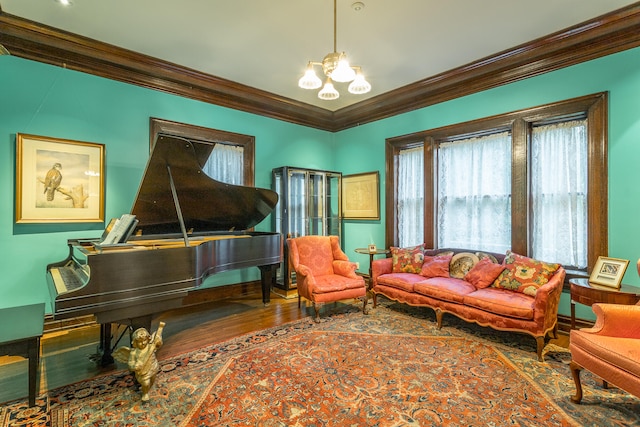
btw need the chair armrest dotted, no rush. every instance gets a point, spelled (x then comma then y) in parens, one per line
(345, 268)
(547, 300)
(616, 320)
(306, 281)
(303, 270)
(380, 267)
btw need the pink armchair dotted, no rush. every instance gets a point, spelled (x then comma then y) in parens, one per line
(610, 349)
(324, 272)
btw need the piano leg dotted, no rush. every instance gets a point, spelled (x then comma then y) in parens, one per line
(105, 344)
(267, 275)
(106, 335)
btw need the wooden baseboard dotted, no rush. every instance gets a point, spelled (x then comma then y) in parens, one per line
(564, 323)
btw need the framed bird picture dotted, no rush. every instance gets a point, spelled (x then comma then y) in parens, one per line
(58, 180)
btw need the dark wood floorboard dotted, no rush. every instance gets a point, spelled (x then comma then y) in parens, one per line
(66, 355)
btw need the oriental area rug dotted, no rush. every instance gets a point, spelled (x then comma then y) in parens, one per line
(392, 367)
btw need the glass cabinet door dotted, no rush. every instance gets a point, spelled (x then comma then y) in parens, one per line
(296, 211)
(316, 204)
(308, 204)
(333, 207)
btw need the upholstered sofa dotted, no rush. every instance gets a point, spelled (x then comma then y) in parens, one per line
(504, 291)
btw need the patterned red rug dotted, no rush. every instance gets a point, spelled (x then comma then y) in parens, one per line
(391, 368)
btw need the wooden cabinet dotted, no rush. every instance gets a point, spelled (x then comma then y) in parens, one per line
(309, 204)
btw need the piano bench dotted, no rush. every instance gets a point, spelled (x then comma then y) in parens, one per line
(22, 338)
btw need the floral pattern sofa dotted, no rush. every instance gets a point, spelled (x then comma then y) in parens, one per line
(504, 291)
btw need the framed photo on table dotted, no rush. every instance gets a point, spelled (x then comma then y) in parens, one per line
(361, 196)
(58, 180)
(609, 271)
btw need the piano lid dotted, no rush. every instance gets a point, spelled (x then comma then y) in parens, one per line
(205, 204)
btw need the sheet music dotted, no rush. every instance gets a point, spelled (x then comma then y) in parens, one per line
(121, 230)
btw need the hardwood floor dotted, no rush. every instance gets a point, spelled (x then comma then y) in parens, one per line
(66, 354)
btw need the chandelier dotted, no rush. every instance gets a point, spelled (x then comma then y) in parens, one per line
(337, 69)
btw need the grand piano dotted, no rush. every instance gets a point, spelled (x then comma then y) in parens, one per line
(189, 227)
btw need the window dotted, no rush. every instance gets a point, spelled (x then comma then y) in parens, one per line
(559, 198)
(232, 158)
(474, 189)
(410, 196)
(225, 163)
(534, 181)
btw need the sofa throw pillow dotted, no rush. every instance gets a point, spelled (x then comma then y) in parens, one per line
(461, 263)
(484, 273)
(436, 266)
(523, 274)
(407, 260)
(482, 255)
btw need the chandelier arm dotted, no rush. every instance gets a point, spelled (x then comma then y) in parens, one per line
(336, 67)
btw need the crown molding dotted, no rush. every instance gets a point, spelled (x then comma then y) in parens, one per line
(604, 35)
(31, 40)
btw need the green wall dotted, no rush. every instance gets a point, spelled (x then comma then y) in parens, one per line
(618, 74)
(45, 100)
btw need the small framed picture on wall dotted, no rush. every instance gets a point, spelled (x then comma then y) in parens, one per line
(361, 196)
(58, 180)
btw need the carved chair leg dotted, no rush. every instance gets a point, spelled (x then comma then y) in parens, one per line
(539, 348)
(375, 299)
(317, 311)
(365, 300)
(439, 318)
(575, 371)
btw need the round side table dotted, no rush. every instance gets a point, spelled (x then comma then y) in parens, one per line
(366, 251)
(586, 293)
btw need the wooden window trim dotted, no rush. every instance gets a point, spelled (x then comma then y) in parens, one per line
(199, 133)
(519, 124)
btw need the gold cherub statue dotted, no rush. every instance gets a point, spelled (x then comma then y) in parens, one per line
(141, 359)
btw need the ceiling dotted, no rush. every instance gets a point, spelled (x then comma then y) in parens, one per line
(266, 44)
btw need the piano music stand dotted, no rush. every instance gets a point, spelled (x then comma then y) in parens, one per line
(22, 338)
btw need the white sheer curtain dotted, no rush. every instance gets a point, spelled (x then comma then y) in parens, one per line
(225, 164)
(559, 162)
(474, 193)
(410, 197)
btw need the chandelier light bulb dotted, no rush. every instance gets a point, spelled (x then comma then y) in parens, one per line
(328, 92)
(359, 85)
(343, 71)
(336, 67)
(310, 80)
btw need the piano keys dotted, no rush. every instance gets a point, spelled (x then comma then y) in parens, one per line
(190, 226)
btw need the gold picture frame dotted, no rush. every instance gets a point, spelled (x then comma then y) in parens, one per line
(361, 196)
(58, 180)
(609, 271)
